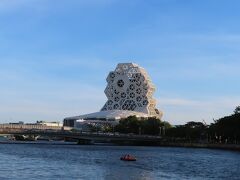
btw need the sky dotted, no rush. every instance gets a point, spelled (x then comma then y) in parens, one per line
(55, 55)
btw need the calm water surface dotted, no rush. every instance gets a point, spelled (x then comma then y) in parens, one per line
(51, 161)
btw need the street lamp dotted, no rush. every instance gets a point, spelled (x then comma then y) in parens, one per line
(163, 130)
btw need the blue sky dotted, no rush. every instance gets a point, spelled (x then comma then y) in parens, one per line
(56, 54)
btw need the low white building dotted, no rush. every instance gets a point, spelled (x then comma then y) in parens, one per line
(52, 124)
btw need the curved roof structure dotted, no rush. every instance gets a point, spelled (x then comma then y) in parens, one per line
(111, 114)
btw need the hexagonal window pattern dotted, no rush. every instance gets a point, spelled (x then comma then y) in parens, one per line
(145, 102)
(131, 87)
(116, 106)
(104, 107)
(138, 91)
(120, 83)
(112, 75)
(139, 98)
(121, 101)
(116, 92)
(125, 67)
(145, 86)
(110, 102)
(123, 95)
(129, 105)
(137, 77)
(138, 83)
(116, 99)
(132, 95)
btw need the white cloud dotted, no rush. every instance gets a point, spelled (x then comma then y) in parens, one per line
(177, 102)
(222, 102)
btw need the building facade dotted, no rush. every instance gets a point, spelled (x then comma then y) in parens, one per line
(129, 92)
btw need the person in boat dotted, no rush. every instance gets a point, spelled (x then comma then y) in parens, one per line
(128, 157)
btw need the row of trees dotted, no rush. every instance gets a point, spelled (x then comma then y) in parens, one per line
(223, 130)
(191, 131)
(227, 129)
(150, 126)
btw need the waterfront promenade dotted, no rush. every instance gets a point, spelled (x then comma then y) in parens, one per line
(80, 136)
(115, 138)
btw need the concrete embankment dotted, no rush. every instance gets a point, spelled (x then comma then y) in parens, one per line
(235, 147)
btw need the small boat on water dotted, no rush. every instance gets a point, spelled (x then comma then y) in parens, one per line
(128, 157)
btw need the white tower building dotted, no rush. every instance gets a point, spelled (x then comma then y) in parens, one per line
(130, 88)
(129, 92)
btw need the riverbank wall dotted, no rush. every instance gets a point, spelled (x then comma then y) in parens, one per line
(235, 147)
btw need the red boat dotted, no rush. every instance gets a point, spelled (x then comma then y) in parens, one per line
(128, 157)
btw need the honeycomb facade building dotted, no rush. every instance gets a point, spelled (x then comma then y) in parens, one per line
(130, 88)
(129, 92)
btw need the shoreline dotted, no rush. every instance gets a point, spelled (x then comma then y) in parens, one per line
(232, 147)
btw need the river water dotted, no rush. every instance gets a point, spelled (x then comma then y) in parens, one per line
(68, 161)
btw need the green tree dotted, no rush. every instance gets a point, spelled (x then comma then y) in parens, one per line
(151, 126)
(167, 125)
(128, 125)
(132, 124)
(237, 110)
(226, 128)
(191, 131)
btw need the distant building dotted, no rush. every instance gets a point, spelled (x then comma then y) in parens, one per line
(129, 92)
(38, 125)
(52, 124)
(69, 122)
(20, 122)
